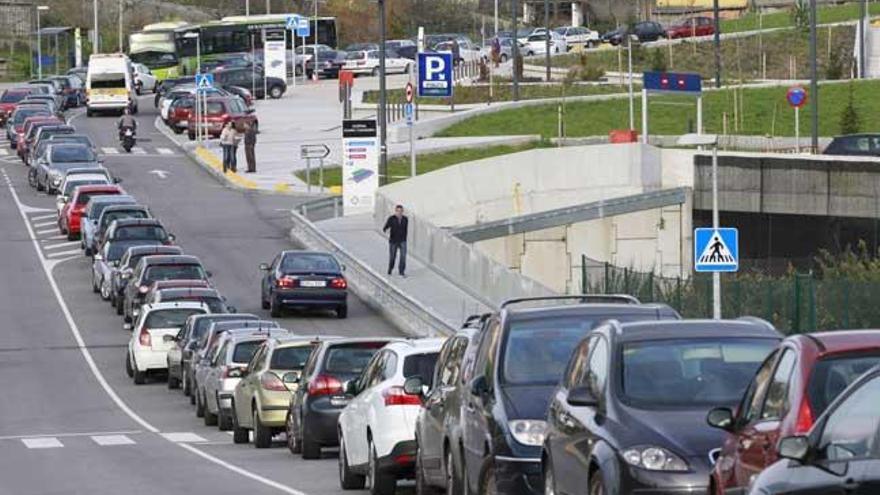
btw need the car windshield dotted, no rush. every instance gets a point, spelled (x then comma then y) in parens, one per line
(68, 154)
(690, 373)
(116, 251)
(538, 37)
(71, 185)
(420, 365)
(110, 216)
(22, 114)
(290, 358)
(350, 358)
(174, 272)
(309, 263)
(244, 351)
(12, 97)
(170, 318)
(84, 198)
(832, 375)
(140, 233)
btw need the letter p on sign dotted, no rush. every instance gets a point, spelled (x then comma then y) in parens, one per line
(435, 69)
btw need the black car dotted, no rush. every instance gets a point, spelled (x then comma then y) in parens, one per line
(210, 297)
(186, 342)
(854, 145)
(304, 279)
(646, 31)
(252, 80)
(127, 263)
(330, 62)
(841, 454)
(152, 268)
(520, 359)
(438, 426)
(322, 392)
(629, 415)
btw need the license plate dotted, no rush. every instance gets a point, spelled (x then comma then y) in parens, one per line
(313, 283)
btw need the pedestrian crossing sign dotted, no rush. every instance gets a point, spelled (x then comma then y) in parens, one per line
(716, 250)
(204, 82)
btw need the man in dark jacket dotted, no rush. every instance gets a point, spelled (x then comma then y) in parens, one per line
(397, 226)
(250, 143)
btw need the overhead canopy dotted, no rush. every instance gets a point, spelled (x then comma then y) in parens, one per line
(50, 31)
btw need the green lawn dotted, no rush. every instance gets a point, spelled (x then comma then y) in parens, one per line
(826, 15)
(399, 168)
(502, 92)
(764, 112)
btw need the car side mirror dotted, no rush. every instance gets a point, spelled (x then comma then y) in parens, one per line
(351, 387)
(64, 199)
(794, 448)
(209, 273)
(264, 267)
(582, 396)
(232, 309)
(413, 386)
(479, 386)
(250, 110)
(291, 378)
(117, 180)
(169, 338)
(721, 418)
(172, 237)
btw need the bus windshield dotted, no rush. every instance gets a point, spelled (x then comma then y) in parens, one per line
(153, 49)
(154, 59)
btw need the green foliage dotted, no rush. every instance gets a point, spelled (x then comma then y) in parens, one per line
(850, 122)
(834, 68)
(658, 61)
(800, 15)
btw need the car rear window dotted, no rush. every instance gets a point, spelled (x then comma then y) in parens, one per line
(20, 115)
(118, 214)
(290, 358)
(833, 374)
(174, 272)
(84, 198)
(420, 365)
(140, 233)
(216, 108)
(244, 351)
(12, 97)
(170, 318)
(309, 262)
(350, 358)
(68, 189)
(66, 154)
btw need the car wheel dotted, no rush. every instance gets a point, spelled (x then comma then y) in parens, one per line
(311, 449)
(192, 393)
(173, 381)
(293, 444)
(139, 377)
(192, 136)
(454, 485)
(71, 236)
(276, 92)
(503, 58)
(239, 434)
(128, 369)
(32, 177)
(184, 383)
(348, 479)
(597, 486)
(96, 287)
(89, 112)
(224, 420)
(264, 303)
(210, 418)
(119, 308)
(200, 405)
(105, 290)
(380, 483)
(137, 89)
(177, 130)
(342, 312)
(262, 433)
(487, 480)
(274, 308)
(422, 486)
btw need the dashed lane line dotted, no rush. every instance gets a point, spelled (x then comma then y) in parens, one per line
(42, 443)
(110, 440)
(64, 435)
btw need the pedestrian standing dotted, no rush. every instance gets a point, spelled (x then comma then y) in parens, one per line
(227, 142)
(250, 142)
(233, 155)
(397, 226)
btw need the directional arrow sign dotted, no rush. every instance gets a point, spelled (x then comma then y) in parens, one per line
(160, 173)
(314, 151)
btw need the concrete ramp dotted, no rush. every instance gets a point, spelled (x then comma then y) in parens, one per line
(872, 51)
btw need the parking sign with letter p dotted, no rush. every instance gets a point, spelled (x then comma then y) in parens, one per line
(435, 74)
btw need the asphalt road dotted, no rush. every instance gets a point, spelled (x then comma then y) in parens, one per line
(71, 421)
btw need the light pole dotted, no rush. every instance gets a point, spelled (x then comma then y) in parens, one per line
(96, 40)
(863, 14)
(629, 57)
(247, 8)
(496, 18)
(814, 85)
(514, 52)
(717, 42)
(121, 8)
(197, 36)
(383, 152)
(547, 42)
(40, 42)
(710, 140)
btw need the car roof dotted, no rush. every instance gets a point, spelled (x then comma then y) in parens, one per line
(192, 291)
(233, 323)
(133, 222)
(159, 250)
(605, 310)
(173, 283)
(114, 198)
(417, 346)
(356, 340)
(228, 316)
(676, 329)
(173, 259)
(174, 305)
(840, 341)
(125, 207)
(98, 188)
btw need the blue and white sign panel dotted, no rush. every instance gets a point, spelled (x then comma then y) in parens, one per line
(716, 250)
(673, 82)
(292, 22)
(435, 74)
(204, 82)
(408, 112)
(303, 28)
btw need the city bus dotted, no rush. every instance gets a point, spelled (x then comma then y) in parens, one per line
(154, 46)
(241, 34)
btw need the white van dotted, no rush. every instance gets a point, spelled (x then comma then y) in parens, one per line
(110, 84)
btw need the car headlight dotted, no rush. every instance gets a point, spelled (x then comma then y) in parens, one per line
(528, 431)
(654, 459)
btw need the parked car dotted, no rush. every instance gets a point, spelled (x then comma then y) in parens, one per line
(179, 357)
(210, 297)
(330, 62)
(29, 131)
(367, 62)
(42, 138)
(578, 36)
(439, 422)
(840, 455)
(138, 229)
(319, 397)
(377, 428)
(691, 27)
(69, 221)
(361, 47)
(253, 81)
(92, 214)
(15, 122)
(304, 279)
(854, 145)
(112, 213)
(71, 182)
(645, 31)
(129, 261)
(59, 158)
(536, 44)
(152, 268)
(651, 383)
(106, 261)
(152, 336)
(506, 405)
(242, 60)
(9, 101)
(221, 111)
(144, 80)
(792, 388)
(259, 402)
(397, 44)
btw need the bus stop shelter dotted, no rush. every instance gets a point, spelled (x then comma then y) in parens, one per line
(58, 50)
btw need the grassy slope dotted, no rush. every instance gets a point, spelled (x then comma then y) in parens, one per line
(502, 92)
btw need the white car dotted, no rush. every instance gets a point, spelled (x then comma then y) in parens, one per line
(536, 44)
(153, 335)
(578, 35)
(367, 62)
(144, 80)
(467, 50)
(377, 428)
(71, 182)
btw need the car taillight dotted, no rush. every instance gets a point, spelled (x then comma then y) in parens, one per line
(804, 418)
(338, 283)
(231, 372)
(270, 381)
(325, 385)
(395, 396)
(144, 338)
(287, 282)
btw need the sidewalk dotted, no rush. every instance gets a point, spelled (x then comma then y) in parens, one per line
(357, 236)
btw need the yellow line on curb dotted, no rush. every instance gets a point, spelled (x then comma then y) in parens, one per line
(214, 162)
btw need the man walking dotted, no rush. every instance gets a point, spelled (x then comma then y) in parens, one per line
(250, 142)
(397, 226)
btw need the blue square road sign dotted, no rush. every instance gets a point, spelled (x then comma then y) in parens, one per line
(716, 250)
(435, 74)
(204, 82)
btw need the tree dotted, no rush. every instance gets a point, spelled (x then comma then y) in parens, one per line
(850, 122)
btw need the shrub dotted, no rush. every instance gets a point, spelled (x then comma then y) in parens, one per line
(850, 122)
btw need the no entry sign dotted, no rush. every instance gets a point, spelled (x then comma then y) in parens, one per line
(796, 96)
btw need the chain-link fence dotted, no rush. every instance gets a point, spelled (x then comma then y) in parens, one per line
(794, 303)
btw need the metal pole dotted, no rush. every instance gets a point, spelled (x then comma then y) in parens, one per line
(383, 121)
(308, 175)
(700, 114)
(515, 52)
(863, 14)
(632, 110)
(644, 116)
(797, 129)
(716, 276)
(547, 42)
(96, 41)
(717, 21)
(39, 47)
(412, 145)
(268, 6)
(315, 39)
(814, 77)
(247, 8)
(496, 19)
(120, 26)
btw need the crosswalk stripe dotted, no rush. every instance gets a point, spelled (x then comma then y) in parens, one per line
(46, 231)
(44, 217)
(61, 254)
(138, 151)
(165, 151)
(42, 443)
(56, 237)
(61, 245)
(4, 152)
(183, 437)
(110, 151)
(45, 224)
(107, 440)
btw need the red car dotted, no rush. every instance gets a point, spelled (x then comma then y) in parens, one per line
(223, 109)
(69, 220)
(15, 124)
(690, 27)
(791, 389)
(9, 100)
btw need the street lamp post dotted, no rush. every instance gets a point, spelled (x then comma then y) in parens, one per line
(40, 42)
(383, 152)
(629, 56)
(121, 8)
(716, 13)
(96, 40)
(547, 42)
(514, 52)
(814, 85)
(198, 117)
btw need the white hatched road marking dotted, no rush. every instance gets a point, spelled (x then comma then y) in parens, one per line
(38, 225)
(61, 245)
(4, 152)
(42, 443)
(165, 151)
(137, 150)
(47, 231)
(60, 254)
(110, 151)
(183, 437)
(108, 440)
(44, 217)
(56, 237)
(63, 435)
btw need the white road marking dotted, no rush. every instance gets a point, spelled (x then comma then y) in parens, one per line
(110, 151)
(42, 443)
(56, 237)
(4, 152)
(107, 440)
(137, 150)
(183, 437)
(47, 266)
(165, 151)
(162, 174)
(63, 435)
(61, 245)
(47, 231)
(45, 217)
(45, 224)
(61, 254)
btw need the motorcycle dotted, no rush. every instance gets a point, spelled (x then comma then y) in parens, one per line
(128, 140)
